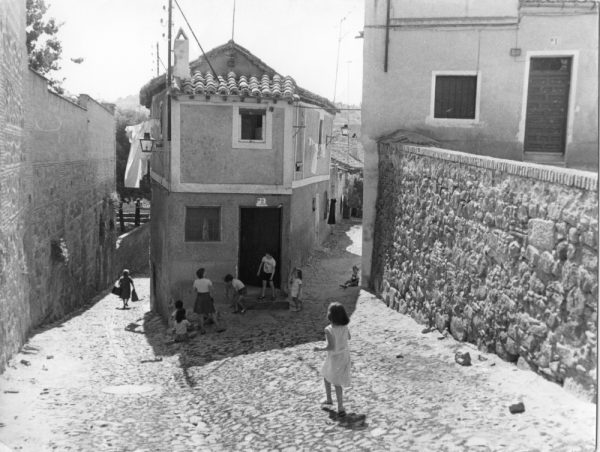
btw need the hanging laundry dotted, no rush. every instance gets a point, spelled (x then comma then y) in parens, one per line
(136, 161)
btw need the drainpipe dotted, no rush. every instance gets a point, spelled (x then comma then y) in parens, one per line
(387, 37)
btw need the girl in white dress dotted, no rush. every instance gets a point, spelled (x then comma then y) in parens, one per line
(336, 370)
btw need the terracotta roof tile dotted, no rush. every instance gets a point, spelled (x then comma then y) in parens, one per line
(277, 87)
(346, 153)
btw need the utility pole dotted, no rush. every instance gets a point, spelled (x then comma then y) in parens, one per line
(348, 100)
(157, 58)
(169, 69)
(337, 60)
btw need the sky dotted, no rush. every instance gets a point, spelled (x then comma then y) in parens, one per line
(117, 41)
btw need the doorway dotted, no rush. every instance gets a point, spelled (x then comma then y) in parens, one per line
(547, 105)
(260, 232)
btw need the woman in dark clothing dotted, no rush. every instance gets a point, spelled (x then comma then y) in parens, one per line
(126, 286)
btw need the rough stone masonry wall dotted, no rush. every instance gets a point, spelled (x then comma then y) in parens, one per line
(502, 254)
(14, 171)
(71, 230)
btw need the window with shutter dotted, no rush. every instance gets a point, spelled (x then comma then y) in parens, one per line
(455, 96)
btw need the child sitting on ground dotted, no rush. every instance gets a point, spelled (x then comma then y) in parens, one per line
(181, 323)
(353, 281)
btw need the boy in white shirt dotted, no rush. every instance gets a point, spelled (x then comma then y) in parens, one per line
(266, 272)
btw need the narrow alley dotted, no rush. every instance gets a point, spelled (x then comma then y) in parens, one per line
(107, 379)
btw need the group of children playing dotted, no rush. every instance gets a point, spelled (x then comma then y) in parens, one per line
(336, 368)
(235, 290)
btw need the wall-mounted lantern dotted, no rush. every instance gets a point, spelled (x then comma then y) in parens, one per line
(147, 143)
(344, 130)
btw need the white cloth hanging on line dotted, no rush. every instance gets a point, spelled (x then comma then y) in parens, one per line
(134, 171)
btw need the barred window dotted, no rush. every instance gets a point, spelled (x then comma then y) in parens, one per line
(202, 224)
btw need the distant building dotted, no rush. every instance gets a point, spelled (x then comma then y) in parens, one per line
(346, 173)
(510, 79)
(244, 169)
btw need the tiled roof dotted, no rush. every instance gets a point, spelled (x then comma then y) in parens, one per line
(223, 83)
(346, 153)
(277, 87)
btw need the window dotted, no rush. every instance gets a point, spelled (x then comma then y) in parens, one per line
(252, 121)
(320, 132)
(455, 96)
(202, 224)
(252, 127)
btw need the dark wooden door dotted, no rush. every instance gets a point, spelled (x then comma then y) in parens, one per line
(260, 232)
(547, 105)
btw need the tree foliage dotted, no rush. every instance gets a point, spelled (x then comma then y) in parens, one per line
(43, 46)
(128, 117)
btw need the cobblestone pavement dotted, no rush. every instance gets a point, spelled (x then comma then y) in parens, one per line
(105, 379)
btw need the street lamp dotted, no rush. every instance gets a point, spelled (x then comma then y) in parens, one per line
(147, 143)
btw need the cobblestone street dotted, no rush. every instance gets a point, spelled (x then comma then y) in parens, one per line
(107, 379)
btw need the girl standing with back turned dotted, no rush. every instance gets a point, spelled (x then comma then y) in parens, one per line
(336, 370)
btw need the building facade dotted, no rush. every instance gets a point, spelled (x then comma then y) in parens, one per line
(242, 168)
(513, 79)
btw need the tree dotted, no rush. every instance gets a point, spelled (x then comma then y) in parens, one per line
(43, 47)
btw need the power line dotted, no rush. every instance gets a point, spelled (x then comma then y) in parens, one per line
(198, 42)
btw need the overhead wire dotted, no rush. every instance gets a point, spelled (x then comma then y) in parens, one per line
(197, 41)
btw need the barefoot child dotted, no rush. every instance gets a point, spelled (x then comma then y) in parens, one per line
(296, 289)
(336, 370)
(235, 291)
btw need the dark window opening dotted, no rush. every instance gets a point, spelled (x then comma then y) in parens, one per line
(320, 131)
(455, 96)
(252, 124)
(202, 224)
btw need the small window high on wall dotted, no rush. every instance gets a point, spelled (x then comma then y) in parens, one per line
(252, 127)
(252, 124)
(202, 224)
(455, 96)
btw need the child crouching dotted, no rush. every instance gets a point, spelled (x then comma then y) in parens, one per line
(181, 324)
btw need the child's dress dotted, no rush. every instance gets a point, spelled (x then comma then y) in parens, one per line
(296, 285)
(336, 369)
(181, 330)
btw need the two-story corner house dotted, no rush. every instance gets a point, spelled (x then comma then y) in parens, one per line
(241, 168)
(513, 79)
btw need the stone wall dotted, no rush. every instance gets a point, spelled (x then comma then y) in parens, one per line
(502, 254)
(14, 176)
(71, 230)
(57, 161)
(133, 251)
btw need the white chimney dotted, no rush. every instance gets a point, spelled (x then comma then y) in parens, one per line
(181, 53)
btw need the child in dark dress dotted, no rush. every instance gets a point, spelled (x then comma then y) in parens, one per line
(126, 286)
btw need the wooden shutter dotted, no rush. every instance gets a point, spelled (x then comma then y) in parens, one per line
(455, 96)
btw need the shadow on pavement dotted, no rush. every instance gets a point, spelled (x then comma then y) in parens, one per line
(351, 421)
(258, 331)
